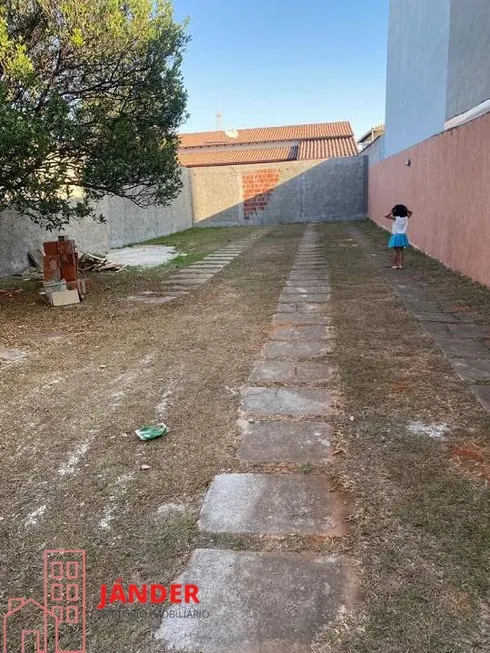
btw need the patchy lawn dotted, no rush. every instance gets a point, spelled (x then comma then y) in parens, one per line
(27, 312)
(201, 239)
(420, 533)
(467, 295)
(70, 465)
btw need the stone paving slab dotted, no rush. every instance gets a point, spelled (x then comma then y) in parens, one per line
(436, 329)
(289, 319)
(467, 318)
(299, 281)
(306, 288)
(258, 602)
(483, 394)
(292, 307)
(435, 317)
(175, 283)
(310, 270)
(308, 274)
(472, 369)
(311, 283)
(468, 331)
(302, 333)
(306, 298)
(208, 266)
(293, 373)
(276, 441)
(310, 263)
(186, 281)
(464, 348)
(270, 504)
(225, 256)
(196, 276)
(189, 272)
(420, 309)
(297, 349)
(294, 400)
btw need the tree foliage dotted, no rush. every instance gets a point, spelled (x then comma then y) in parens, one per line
(91, 97)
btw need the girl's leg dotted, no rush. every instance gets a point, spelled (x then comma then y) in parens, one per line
(400, 264)
(395, 257)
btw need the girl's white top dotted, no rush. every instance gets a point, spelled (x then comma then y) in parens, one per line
(399, 225)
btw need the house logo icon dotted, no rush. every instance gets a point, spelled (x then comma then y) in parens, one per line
(58, 626)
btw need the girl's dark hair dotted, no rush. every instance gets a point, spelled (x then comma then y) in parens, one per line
(400, 211)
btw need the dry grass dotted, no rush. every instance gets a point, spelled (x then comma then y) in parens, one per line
(421, 529)
(114, 365)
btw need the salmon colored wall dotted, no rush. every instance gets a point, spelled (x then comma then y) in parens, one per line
(447, 187)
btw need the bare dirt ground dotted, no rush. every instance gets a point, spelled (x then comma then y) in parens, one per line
(70, 461)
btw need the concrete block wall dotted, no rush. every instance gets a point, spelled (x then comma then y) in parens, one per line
(126, 224)
(129, 224)
(296, 191)
(19, 234)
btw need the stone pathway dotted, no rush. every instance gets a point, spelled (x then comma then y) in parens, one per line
(465, 343)
(182, 282)
(266, 602)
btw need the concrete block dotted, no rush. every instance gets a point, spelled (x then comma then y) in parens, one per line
(247, 608)
(294, 401)
(270, 504)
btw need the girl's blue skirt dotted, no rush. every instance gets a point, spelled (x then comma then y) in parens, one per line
(398, 240)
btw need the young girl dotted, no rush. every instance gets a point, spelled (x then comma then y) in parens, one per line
(398, 241)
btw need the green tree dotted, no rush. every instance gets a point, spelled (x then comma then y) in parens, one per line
(91, 97)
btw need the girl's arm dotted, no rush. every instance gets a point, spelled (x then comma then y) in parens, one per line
(410, 213)
(389, 216)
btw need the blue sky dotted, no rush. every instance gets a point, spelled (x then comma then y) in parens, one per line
(276, 62)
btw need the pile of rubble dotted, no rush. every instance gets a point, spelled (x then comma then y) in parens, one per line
(93, 263)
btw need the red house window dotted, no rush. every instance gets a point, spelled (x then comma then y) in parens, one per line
(57, 570)
(57, 592)
(72, 570)
(72, 615)
(72, 592)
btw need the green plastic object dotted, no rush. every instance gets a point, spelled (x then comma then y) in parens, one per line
(151, 432)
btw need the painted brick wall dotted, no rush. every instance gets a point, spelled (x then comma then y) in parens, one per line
(447, 186)
(257, 188)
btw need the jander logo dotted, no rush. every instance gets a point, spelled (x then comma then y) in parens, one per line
(61, 619)
(59, 624)
(154, 594)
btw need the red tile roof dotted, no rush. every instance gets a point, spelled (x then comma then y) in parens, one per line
(327, 148)
(225, 156)
(268, 134)
(317, 141)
